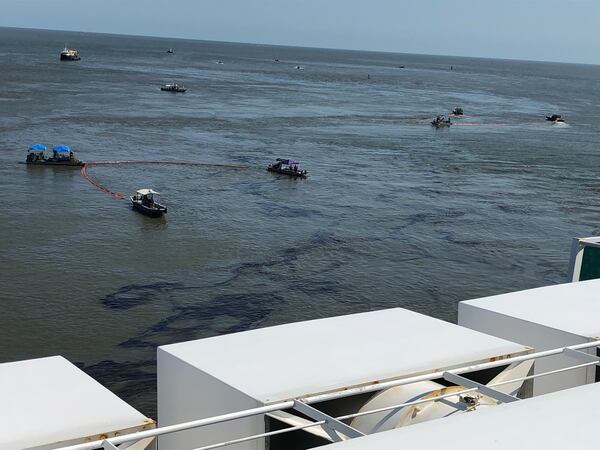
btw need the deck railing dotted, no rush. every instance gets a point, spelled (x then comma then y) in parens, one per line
(334, 426)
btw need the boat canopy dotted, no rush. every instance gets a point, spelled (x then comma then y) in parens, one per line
(38, 147)
(146, 192)
(61, 148)
(289, 162)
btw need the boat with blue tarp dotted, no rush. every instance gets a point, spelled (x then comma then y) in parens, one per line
(287, 167)
(62, 155)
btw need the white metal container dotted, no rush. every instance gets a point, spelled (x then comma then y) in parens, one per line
(543, 318)
(49, 403)
(229, 373)
(557, 421)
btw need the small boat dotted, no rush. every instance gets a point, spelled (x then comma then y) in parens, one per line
(62, 155)
(173, 87)
(170, 51)
(441, 122)
(287, 167)
(457, 111)
(69, 54)
(556, 118)
(219, 62)
(146, 201)
(299, 68)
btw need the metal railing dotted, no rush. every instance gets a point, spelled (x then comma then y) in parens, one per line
(334, 424)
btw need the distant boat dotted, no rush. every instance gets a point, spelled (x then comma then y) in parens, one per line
(219, 62)
(441, 122)
(69, 54)
(287, 167)
(173, 87)
(556, 118)
(146, 201)
(170, 51)
(458, 111)
(299, 67)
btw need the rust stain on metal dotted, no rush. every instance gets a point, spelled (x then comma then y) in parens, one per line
(499, 357)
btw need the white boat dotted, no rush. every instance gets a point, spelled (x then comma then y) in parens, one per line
(69, 54)
(148, 203)
(173, 87)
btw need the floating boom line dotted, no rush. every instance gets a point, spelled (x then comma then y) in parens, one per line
(120, 196)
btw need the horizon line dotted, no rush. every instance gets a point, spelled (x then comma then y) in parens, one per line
(305, 47)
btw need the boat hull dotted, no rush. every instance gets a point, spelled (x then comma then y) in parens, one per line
(55, 163)
(172, 90)
(157, 211)
(289, 173)
(69, 58)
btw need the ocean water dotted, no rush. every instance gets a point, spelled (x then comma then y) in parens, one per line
(393, 214)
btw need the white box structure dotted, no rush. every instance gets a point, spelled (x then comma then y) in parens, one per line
(49, 403)
(557, 421)
(229, 373)
(542, 318)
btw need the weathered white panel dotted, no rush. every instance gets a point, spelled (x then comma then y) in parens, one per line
(298, 359)
(186, 393)
(49, 403)
(534, 335)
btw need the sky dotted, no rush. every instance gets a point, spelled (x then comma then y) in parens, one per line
(545, 30)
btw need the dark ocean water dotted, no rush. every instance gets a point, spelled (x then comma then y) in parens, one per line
(394, 213)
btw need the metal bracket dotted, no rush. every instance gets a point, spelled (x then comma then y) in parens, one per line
(582, 356)
(108, 446)
(332, 426)
(462, 381)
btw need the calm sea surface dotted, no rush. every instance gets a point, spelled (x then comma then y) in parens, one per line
(394, 213)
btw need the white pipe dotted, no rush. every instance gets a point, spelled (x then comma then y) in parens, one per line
(435, 375)
(182, 426)
(402, 405)
(543, 374)
(258, 436)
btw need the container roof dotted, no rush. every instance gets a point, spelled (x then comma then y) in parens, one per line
(561, 420)
(49, 400)
(571, 307)
(304, 358)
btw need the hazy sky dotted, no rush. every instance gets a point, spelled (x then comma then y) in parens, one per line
(551, 30)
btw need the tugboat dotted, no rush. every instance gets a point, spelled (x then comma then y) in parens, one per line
(173, 87)
(287, 167)
(69, 54)
(441, 122)
(146, 202)
(62, 155)
(556, 118)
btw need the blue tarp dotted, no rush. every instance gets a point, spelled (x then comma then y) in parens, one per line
(38, 147)
(289, 162)
(61, 148)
